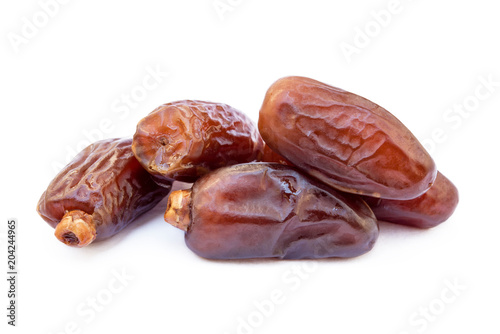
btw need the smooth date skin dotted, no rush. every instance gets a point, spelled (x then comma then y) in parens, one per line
(432, 208)
(184, 140)
(344, 140)
(102, 190)
(269, 155)
(269, 210)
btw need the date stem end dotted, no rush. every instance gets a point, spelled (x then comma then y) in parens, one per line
(76, 229)
(178, 209)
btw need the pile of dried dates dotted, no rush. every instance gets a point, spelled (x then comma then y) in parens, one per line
(312, 180)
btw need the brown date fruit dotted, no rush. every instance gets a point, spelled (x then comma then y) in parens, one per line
(102, 190)
(269, 210)
(432, 208)
(269, 155)
(344, 140)
(184, 140)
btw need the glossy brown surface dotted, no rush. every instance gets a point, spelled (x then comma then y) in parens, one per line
(345, 140)
(262, 210)
(428, 210)
(184, 140)
(270, 156)
(102, 190)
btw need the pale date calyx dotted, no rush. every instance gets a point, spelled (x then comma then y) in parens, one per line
(269, 210)
(184, 140)
(344, 140)
(102, 190)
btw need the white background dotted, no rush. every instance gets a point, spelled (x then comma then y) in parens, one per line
(66, 79)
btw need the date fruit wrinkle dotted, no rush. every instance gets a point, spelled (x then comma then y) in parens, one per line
(344, 140)
(102, 190)
(269, 210)
(428, 210)
(184, 140)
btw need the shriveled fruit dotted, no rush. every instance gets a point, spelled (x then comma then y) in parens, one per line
(102, 190)
(428, 210)
(269, 210)
(184, 140)
(344, 140)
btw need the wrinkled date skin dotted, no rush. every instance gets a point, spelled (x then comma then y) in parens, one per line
(102, 190)
(344, 140)
(432, 208)
(184, 140)
(269, 210)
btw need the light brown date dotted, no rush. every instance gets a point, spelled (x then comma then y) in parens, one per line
(269, 210)
(102, 190)
(344, 140)
(184, 140)
(432, 208)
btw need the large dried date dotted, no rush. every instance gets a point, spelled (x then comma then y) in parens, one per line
(345, 140)
(432, 208)
(261, 210)
(102, 190)
(184, 140)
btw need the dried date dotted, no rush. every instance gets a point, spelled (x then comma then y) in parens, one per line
(184, 140)
(269, 210)
(344, 140)
(269, 155)
(432, 208)
(102, 190)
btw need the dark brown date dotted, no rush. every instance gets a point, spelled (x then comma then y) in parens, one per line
(269, 210)
(102, 190)
(432, 208)
(344, 140)
(186, 139)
